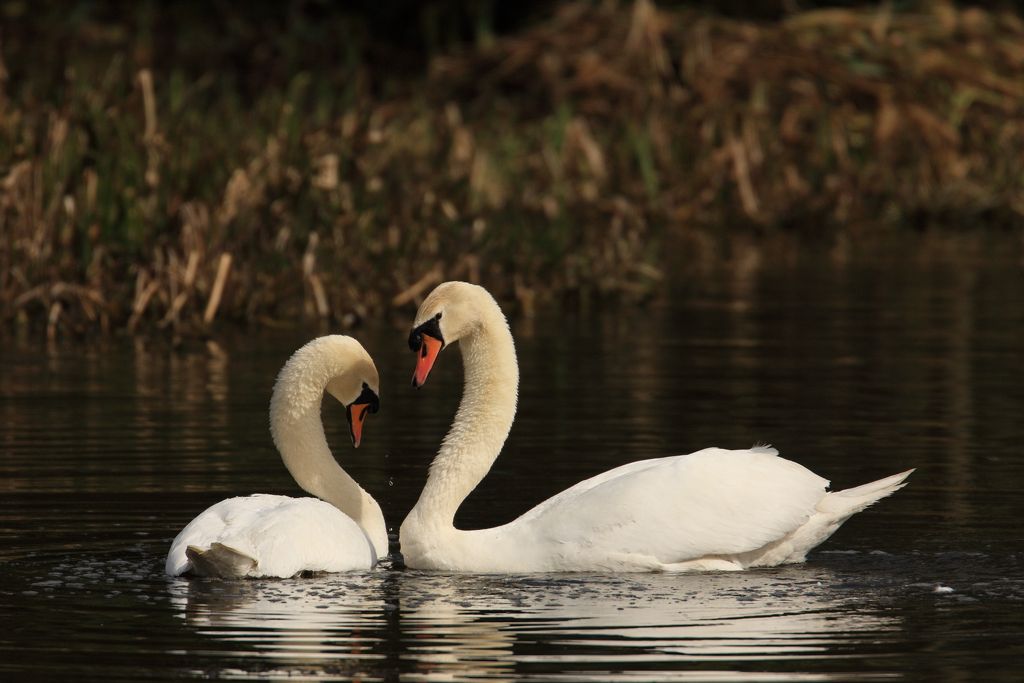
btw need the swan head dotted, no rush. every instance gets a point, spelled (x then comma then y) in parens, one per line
(453, 310)
(336, 364)
(367, 402)
(356, 385)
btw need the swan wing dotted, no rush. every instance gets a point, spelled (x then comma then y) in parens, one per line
(283, 535)
(676, 509)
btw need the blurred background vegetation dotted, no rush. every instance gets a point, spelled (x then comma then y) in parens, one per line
(168, 165)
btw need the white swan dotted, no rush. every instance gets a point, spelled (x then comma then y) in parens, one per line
(713, 509)
(267, 535)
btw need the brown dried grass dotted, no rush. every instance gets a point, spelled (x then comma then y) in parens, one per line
(559, 160)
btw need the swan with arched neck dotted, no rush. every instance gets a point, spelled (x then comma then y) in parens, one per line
(712, 509)
(264, 535)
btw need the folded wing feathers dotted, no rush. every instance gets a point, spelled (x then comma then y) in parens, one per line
(220, 561)
(714, 501)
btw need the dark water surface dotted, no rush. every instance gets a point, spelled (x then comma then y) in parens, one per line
(106, 452)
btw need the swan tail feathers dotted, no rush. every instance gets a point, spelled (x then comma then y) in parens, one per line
(847, 502)
(220, 561)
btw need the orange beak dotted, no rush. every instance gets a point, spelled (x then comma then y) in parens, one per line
(425, 358)
(357, 413)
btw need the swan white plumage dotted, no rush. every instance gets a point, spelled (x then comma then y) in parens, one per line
(265, 535)
(713, 509)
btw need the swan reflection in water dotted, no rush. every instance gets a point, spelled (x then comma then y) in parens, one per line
(441, 626)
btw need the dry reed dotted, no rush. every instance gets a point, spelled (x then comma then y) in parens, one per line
(561, 159)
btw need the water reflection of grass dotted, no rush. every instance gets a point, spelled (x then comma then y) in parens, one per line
(164, 177)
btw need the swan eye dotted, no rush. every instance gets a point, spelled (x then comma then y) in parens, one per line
(367, 398)
(430, 328)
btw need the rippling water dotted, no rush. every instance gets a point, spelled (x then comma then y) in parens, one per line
(106, 452)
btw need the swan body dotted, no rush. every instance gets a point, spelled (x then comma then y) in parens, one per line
(714, 509)
(278, 536)
(271, 535)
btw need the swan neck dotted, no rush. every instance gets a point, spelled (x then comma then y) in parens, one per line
(481, 425)
(299, 434)
(304, 450)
